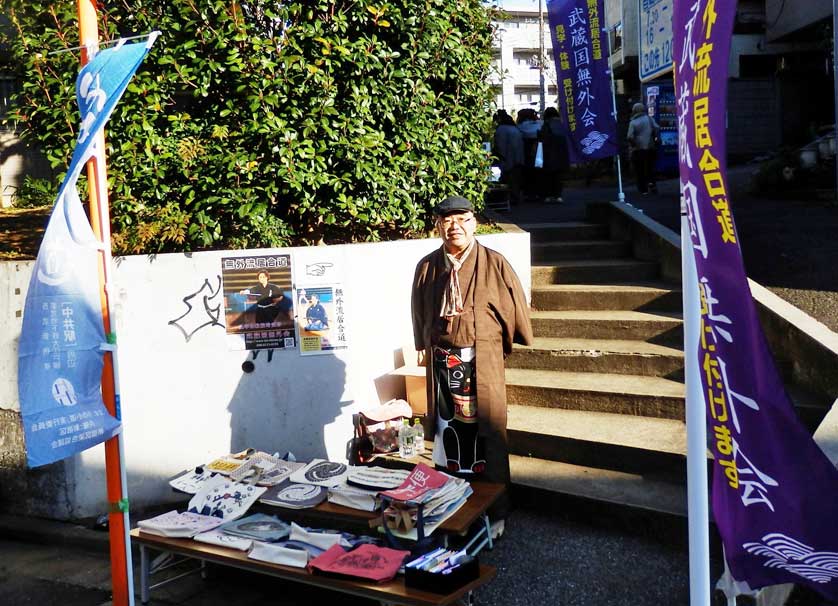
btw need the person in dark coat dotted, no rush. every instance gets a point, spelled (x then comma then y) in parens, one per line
(529, 125)
(553, 136)
(508, 148)
(642, 136)
(468, 308)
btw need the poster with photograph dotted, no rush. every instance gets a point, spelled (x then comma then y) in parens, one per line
(321, 319)
(258, 301)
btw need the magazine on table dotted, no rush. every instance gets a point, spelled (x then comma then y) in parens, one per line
(420, 485)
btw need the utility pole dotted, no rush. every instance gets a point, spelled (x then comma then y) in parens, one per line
(834, 81)
(541, 95)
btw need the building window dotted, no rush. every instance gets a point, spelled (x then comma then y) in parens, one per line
(615, 36)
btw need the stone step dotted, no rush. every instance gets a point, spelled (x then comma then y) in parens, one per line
(579, 249)
(600, 271)
(615, 487)
(647, 445)
(625, 357)
(565, 231)
(664, 328)
(650, 296)
(599, 392)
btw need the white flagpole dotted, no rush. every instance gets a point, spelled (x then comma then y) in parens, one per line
(697, 494)
(621, 197)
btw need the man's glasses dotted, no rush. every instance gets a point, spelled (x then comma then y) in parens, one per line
(450, 221)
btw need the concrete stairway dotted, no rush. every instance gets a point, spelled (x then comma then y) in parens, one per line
(596, 403)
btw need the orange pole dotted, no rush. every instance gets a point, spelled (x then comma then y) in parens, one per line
(100, 221)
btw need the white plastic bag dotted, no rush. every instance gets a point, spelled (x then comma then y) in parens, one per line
(539, 156)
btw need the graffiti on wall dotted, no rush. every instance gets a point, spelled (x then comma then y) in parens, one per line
(203, 310)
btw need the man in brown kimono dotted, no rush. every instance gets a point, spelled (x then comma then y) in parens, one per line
(468, 308)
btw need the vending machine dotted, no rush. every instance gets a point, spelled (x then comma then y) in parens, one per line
(660, 101)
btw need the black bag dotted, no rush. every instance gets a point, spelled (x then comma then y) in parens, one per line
(359, 449)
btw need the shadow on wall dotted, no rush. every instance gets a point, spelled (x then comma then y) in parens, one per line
(265, 416)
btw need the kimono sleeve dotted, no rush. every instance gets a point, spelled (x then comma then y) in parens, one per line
(520, 327)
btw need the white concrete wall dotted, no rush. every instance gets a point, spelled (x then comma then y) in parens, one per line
(185, 402)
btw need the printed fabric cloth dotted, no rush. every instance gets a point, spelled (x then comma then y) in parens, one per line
(216, 537)
(377, 564)
(457, 446)
(259, 527)
(286, 555)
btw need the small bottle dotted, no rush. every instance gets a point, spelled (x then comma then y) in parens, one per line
(418, 437)
(405, 440)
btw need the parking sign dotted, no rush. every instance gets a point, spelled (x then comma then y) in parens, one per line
(655, 38)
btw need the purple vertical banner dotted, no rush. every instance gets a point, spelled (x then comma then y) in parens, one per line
(774, 492)
(583, 77)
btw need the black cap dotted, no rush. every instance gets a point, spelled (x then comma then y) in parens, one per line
(453, 204)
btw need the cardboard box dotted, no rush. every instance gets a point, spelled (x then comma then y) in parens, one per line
(415, 388)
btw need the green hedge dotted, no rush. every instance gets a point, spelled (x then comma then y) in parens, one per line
(268, 124)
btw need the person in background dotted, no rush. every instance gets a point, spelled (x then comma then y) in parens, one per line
(529, 125)
(468, 308)
(553, 136)
(508, 148)
(642, 136)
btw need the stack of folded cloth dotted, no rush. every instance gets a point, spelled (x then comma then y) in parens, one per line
(304, 544)
(440, 495)
(179, 525)
(360, 491)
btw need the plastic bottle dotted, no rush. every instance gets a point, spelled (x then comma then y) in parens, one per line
(405, 440)
(418, 437)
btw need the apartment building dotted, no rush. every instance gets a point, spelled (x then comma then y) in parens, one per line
(521, 75)
(780, 88)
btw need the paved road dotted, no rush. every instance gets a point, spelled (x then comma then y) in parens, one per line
(561, 555)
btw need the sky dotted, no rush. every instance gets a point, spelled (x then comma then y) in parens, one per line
(512, 5)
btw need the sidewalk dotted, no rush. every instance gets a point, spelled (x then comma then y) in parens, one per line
(565, 555)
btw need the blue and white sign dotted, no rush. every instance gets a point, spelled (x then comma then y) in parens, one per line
(60, 356)
(655, 38)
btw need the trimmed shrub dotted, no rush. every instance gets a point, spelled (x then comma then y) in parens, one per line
(270, 124)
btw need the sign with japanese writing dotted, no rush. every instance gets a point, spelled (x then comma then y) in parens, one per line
(321, 319)
(655, 38)
(258, 301)
(580, 50)
(60, 356)
(774, 492)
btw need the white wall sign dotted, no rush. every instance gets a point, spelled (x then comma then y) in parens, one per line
(655, 38)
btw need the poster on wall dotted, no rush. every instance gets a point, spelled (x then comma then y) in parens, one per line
(258, 301)
(321, 319)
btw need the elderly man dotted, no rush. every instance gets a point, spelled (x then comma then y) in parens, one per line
(468, 309)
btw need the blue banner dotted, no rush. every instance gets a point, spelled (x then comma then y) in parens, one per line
(60, 355)
(580, 50)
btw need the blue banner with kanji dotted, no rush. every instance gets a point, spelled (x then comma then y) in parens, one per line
(580, 50)
(61, 355)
